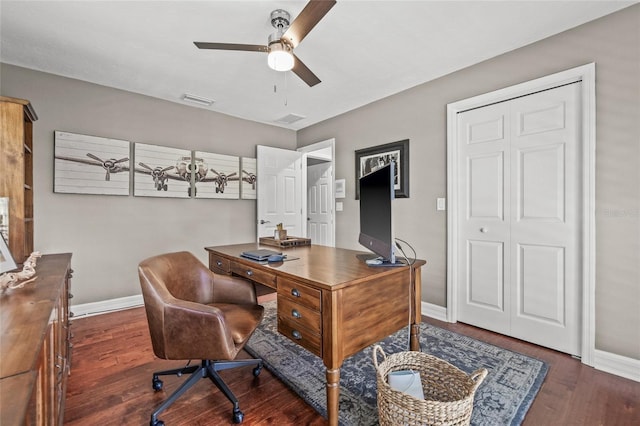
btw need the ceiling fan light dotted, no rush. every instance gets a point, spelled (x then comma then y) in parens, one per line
(280, 57)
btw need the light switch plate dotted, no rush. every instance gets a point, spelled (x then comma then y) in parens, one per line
(339, 206)
(441, 204)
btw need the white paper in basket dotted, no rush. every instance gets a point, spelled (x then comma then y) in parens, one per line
(407, 381)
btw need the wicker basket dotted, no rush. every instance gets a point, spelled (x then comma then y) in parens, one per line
(448, 391)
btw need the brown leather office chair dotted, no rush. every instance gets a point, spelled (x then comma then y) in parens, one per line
(196, 314)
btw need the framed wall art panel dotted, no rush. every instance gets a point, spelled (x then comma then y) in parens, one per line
(370, 159)
(161, 171)
(90, 164)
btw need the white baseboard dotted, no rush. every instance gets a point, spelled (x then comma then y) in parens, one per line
(434, 311)
(628, 368)
(96, 308)
(622, 366)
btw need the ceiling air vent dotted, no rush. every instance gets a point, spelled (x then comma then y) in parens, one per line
(289, 119)
(197, 99)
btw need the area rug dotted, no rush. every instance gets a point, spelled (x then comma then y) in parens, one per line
(503, 398)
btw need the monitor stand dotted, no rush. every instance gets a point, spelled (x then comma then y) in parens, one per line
(372, 260)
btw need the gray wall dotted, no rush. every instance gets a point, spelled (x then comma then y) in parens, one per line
(419, 114)
(109, 235)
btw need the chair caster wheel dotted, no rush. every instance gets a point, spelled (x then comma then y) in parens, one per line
(156, 423)
(157, 386)
(238, 416)
(257, 370)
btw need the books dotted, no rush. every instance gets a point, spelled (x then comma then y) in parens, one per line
(259, 255)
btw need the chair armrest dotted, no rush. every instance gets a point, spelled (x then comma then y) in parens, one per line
(196, 331)
(230, 289)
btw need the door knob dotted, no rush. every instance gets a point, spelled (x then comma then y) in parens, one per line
(262, 221)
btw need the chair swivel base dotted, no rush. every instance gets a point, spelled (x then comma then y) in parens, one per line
(207, 368)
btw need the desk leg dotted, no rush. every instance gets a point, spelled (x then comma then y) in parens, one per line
(333, 394)
(414, 339)
(416, 295)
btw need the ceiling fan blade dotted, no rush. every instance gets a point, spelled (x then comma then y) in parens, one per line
(312, 13)
(301, 70)
(231, 46)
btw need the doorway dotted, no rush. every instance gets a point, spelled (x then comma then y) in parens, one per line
(320, 196)
(296, 189)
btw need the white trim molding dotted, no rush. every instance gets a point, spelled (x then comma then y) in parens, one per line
(586, 74)
(434, 311)
(106, 306)
(628, 368)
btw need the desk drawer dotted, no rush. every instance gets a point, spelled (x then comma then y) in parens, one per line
(219, 264)
(299, 315)
(254, 274)
(300, 335)
(299, 293)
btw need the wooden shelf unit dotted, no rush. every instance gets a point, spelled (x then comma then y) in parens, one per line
(16, 172)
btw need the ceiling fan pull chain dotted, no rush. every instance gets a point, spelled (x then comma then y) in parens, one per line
(286, 99)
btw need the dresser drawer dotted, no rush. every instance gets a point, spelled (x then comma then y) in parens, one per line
(254, 274)
(299, 293)
(307, 339)
(299, 315)
(219, 264)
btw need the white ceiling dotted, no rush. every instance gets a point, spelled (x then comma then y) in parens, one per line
(362, 50)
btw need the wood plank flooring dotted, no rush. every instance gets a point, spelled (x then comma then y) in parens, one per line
(112, 365)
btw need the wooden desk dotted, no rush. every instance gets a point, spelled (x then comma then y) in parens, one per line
(331, 302)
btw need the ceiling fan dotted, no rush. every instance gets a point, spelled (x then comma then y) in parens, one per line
(288, 36)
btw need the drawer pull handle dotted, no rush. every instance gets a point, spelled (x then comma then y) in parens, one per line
(219, 263)
(249, 273)
(295, 313)
(296, 334)
(295, 292)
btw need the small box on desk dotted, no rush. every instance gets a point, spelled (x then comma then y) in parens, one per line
(286, 242)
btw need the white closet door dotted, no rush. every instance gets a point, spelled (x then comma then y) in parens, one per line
(546, 218)
(484, 211)
(519, 228)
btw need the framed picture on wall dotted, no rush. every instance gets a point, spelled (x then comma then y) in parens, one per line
(371, 159)
(90, 164)
(161, 171)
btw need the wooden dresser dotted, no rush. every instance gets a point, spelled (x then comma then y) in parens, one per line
(35, 356)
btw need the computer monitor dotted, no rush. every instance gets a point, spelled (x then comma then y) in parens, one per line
(376, 222)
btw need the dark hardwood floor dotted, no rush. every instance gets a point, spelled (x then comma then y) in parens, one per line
(112, 364)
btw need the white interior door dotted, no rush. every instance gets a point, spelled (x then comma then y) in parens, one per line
(519, 231)
(484, 230)
(279, 191)
(320, 203)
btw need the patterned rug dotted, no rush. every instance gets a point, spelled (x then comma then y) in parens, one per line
(503, 398)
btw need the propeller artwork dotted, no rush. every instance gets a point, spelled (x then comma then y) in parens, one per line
(159, 175)
(222, 179)
(111, 165)
(287, 37)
